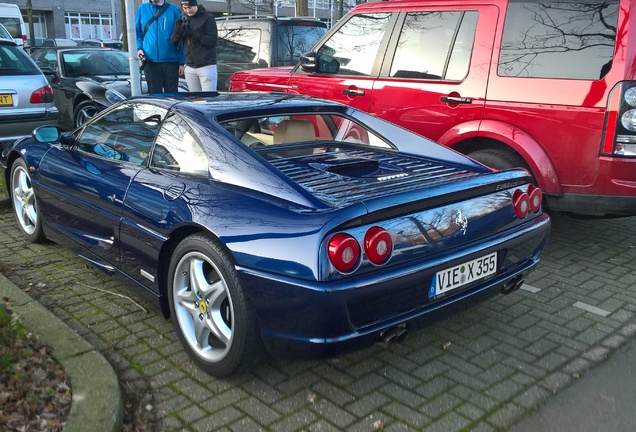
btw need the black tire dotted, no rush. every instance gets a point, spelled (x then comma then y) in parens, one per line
(25, 203)
(83, 112)
(498, 159)
(221, 335)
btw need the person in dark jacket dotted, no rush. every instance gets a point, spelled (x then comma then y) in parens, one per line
(196, 30)
(164, 60)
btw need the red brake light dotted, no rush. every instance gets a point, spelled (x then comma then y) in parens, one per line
(42, 95)
(536, 198)
(521, 203)
(344, 252)
(378, 245)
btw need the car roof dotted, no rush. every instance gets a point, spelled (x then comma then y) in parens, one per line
(8, 42)
(243, 103)
(270, 18)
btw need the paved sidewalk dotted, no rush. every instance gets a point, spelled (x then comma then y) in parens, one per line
(96, 402)
(602, 401)
(482, 370)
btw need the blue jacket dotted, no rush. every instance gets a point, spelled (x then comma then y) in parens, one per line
(156, 42)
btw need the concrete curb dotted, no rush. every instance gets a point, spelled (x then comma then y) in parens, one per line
(97, 401)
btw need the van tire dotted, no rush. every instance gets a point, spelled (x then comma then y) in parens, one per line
(498, 159)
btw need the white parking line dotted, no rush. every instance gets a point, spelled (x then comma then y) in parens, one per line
(530, 288)
(593, 309)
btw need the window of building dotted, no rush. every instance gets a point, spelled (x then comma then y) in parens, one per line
(88, 25)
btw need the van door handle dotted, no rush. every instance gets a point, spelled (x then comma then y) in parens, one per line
(457, 100)
(353, 92)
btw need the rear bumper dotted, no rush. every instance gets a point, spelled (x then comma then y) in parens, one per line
(17, 127)
(613, 191)
(593, 205)
(302, 319)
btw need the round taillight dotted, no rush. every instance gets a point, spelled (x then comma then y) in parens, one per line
(521, 203)
(536, 198)
(378, 245)
(344, 252)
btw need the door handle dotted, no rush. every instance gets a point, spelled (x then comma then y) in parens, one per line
(456, 99)
(353, 92)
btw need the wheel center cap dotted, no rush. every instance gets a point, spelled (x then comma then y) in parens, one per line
(202, 307)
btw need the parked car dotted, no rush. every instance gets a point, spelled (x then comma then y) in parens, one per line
(57, 42)
(85, 80)
(544, 85)
(4, 33)
(248, 42)
(26, 99)
(104, 43)
(268, 220)
(11, 19)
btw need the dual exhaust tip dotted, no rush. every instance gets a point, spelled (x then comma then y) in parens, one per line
(399, 332)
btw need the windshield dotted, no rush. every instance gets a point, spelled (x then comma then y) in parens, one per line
(95, 62)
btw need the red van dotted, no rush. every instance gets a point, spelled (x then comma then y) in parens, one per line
(550, 86)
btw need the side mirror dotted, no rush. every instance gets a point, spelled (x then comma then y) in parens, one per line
(308, 62)
(321, 63)
(49, 72)
(47, 134)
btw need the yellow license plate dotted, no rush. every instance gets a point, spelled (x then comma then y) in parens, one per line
(6, 100)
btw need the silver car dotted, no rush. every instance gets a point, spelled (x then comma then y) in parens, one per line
(4, 33)
(26, 98)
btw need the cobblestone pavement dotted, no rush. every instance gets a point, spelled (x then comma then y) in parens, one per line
(481, 370)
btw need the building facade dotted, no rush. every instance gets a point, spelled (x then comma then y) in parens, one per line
(77, 19)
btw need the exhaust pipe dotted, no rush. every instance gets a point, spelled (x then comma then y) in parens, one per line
(513, 284)
(394, 334)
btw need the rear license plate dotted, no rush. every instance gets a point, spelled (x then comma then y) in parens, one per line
(463, 274)
(6, 100)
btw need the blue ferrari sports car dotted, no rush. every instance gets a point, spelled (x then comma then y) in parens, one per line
(271, 222)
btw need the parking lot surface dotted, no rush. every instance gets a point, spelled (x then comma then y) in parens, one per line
(483, 370)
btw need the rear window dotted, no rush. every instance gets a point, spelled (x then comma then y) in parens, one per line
(295, 39)
(14, 61)
(13, 26)
(572, 40)
(239, 45)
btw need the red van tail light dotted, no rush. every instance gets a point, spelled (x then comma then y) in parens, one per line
(620, 121)
(521, 203)
(42, 95)
(344, 252)
(378, 245)
(536, 198)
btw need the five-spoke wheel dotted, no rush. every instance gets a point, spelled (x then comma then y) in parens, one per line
(25, 202)
(212, 313)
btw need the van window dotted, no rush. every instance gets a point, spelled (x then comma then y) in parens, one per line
(238, 45)
(559, 39)
(355, 45)
(435, 45)
(13, 26)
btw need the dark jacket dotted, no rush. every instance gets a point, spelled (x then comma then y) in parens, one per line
(199, 36)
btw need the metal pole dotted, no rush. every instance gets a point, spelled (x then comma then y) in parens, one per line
(133, 61)
(113, 27)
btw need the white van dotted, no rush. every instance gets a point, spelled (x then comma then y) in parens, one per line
(11, 18)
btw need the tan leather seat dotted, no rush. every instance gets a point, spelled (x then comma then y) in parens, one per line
(293, 131)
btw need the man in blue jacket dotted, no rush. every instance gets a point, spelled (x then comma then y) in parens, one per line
(164, 60)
